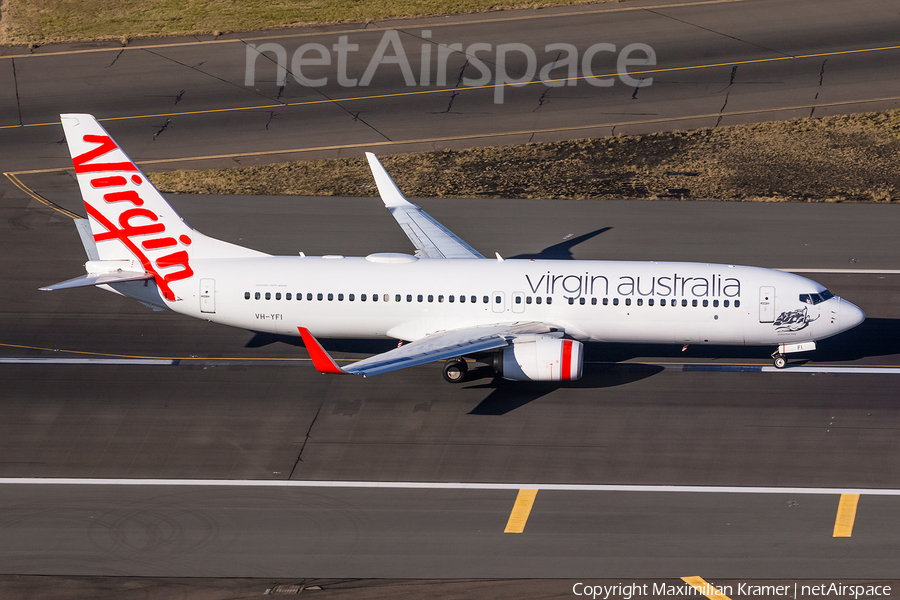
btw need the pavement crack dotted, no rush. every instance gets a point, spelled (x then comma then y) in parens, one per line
(726, 102)
(659, 14)
(544, 98)
(271, 116)
(822, 72)
(163, 128)
(115, 59)
(177, 62)
(450, 104)
(179, 96)
(16, 82)
(306, 439)
(462, 71)
(636, 88)
(280, 91)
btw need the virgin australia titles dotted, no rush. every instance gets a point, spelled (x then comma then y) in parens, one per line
(562, 69)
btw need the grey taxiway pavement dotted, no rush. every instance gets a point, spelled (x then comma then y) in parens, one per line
(166, 397)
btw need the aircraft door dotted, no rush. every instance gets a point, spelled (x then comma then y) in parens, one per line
(766, 304)
(518, 302)
(207, 295)
(498, 302)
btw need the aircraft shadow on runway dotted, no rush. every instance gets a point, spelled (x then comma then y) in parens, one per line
(874, 337)
(510, 395)
(563, 250)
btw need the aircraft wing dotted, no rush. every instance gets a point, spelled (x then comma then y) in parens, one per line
(431, 239)
(446, 344)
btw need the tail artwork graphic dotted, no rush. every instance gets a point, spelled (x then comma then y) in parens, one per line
(132, 224)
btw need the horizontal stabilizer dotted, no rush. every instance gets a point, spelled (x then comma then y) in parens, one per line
(99, 279)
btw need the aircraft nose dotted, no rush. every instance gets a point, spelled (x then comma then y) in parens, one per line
(851, 315)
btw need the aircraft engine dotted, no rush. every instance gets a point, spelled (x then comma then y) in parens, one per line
(540, 358)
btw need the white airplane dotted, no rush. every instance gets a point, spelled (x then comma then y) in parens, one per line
(526, 318)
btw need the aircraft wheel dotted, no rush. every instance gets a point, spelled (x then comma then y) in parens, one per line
(780, 361)
(455, 370)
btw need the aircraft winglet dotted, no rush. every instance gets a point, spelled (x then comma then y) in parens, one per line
(387, 189)
(321, 359)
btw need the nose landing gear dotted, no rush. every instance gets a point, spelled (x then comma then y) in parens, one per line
(779, 360)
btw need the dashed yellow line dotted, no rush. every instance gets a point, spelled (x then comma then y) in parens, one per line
(521, 509)
(705, 588)
(846, 515)
(504, 19)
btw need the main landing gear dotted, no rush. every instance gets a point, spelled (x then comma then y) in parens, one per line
(455, 370)
(779, 360)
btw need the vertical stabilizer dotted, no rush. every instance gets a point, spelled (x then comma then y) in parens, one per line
(129, 218)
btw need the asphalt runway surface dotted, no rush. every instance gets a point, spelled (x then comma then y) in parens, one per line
(239, 406)
(97, 387)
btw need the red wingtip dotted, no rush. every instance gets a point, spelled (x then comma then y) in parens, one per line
(321, 360)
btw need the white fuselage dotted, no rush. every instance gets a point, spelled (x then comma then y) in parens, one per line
(401, 297)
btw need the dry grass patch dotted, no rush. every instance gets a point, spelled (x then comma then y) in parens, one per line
(854, 158)
(38, 22)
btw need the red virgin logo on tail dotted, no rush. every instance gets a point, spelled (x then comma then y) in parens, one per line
(151, 230)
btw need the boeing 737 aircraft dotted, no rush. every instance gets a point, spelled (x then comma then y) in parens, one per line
(526, 318)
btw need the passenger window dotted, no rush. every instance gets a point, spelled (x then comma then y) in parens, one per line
(581, 301)
(549, 300)
(627, 301)
(737, 303)
(319, 296)
(351, 297)
(440, 298)
(288, 296)
(538, 299)
(640, 301)
(462, 299)
(246, 295)
(694, 303)
(518, 299)
(705, 303)
(650, 302)
(715, 304)
(374, 297)
(256, 295)
(593, 302)
(387, 298)
(662, 302)
(396, 298)
(615, 301)
(451, 298)
(485, 299)
(419, 298)
(340, 297)
(362, 297)
(474, 300)
(408, 298)
(268, 295)
(605, 301)
(309, 296)
(684, 302)
(725, 303)
(571, 300)
(527, 299)
(331, 297)
(278, 295)
(430, 298)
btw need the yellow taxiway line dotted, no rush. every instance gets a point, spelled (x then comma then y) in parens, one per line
(701, 585)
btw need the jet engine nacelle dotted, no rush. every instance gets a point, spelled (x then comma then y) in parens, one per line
(540, 358)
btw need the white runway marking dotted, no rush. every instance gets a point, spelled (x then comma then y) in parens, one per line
(87, 361)
(847, 370)
(426, 485)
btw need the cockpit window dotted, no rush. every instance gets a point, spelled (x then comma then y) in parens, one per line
(816, 298)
